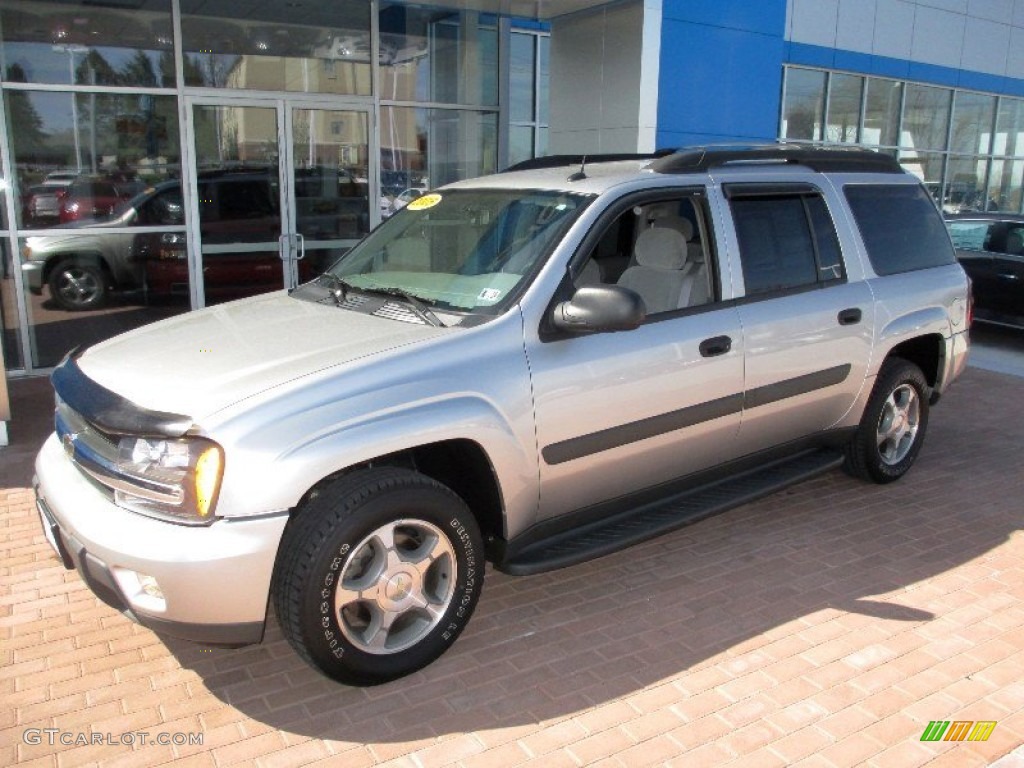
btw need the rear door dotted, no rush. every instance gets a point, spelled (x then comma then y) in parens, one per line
(807, 328)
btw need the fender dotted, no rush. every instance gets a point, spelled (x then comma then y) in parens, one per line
(922, 322)
(301, 433)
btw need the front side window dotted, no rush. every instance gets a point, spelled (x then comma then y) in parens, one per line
(787, 240)
(901, 227)
(462, 250)
(658, 249)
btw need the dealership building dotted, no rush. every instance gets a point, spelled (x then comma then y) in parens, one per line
(159, 156)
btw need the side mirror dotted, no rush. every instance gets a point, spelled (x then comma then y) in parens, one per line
(600, 308)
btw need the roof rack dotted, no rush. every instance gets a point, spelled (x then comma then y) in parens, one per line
(564, 161)
(834, 159)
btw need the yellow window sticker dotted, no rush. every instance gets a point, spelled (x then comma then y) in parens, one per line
(422, 203)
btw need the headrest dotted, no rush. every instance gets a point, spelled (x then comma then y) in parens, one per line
(678, 223)
(660, 248)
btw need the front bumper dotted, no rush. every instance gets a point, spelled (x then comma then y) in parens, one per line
(32, 276)
(214, 580)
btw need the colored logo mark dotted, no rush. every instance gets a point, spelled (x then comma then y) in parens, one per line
(958, 730)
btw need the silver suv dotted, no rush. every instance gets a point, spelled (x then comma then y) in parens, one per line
(530, 369)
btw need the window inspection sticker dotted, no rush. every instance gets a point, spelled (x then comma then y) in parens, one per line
(489, 294)
(422, 203)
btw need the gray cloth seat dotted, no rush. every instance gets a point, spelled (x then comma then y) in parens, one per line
(659, 275)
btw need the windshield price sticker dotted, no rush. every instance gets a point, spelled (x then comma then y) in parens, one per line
(422, 203)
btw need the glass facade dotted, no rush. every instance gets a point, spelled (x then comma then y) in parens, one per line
(106, 227)
(967, 147)
(529, 58)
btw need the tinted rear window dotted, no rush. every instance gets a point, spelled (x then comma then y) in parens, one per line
(901, 227)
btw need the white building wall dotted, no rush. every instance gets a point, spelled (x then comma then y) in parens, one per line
(604, 79)
(985, 36)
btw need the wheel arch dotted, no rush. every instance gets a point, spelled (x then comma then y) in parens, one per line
(92, 256)
(460, 464)
(926, 352)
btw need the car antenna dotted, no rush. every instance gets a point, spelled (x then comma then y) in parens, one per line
(581, 173)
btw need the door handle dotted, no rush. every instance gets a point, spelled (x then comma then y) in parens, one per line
(850, 316)
(716, 345)
(1009, 276)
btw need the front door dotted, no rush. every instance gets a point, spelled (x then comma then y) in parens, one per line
(280, 188)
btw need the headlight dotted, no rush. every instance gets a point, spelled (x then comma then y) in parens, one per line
(170, 478)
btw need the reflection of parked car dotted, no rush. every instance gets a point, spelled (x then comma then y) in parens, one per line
(82, 267)
(991, 249)
(235, 207)
(95, 198)
(42, 201)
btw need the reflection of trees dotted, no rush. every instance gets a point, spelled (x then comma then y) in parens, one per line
(802, 123)
(29, 136)
(139, 71)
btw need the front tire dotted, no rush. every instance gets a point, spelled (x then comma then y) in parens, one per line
(78, 285)
(378, 575)
(892, 429)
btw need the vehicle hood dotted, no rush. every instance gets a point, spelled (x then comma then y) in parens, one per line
(201, 362)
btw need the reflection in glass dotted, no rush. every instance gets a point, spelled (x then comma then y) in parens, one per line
(882, 112)
(79, 156)
(928, 167)
(9, 326)
(844, 97)
(1006, 182)
(332, 202)
(435, 55)
(258, 46)
(544, 77)
(239, 204)
(84, 288)
(1009, 139)
(429, 147)
(522, 71)
(972, 122)
(925, 117)
(804, 108)
(965, 184)
(88, 44)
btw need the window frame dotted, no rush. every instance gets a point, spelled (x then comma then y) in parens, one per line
(788, 190)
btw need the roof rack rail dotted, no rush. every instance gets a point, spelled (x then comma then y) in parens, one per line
(564, 161)
(834, 159)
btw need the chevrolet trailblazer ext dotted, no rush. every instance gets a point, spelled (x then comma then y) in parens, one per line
(532, 369)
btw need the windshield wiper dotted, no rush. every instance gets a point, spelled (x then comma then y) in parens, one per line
(418, 304)
(337, 287)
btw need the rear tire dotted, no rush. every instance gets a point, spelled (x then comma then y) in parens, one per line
(378, 575)
(892, 429)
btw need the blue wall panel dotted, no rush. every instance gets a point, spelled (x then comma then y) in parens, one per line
(721, 71)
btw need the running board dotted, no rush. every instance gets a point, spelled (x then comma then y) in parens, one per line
(633, 526)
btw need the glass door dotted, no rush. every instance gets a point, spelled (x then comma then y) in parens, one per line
(280, 190)
(328, 161)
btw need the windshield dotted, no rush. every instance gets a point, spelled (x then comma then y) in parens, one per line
(461, 250)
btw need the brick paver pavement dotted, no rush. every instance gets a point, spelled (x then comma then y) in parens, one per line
(823, 626)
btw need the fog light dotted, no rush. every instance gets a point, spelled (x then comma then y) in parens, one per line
(142, 590)
(148, 585)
